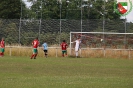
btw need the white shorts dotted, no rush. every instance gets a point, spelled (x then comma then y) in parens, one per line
(76, 48)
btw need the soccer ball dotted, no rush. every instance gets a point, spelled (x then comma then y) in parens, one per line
(101, 40)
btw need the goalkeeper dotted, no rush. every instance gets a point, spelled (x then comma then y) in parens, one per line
(77, 46)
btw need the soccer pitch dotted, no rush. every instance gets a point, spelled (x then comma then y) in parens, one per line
(22, 72)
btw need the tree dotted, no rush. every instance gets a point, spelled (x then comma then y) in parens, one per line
(102, 8)
(45, 9)
(11, 9)
(71, 9)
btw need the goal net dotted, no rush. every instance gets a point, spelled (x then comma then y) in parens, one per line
(104, 40)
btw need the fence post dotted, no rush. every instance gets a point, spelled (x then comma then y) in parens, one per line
(80, 52)
(129, 54)
(56, 52)
(10, 52)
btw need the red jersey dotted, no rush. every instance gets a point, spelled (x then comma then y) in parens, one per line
(64, 46)
(35, 43)
(2, 44)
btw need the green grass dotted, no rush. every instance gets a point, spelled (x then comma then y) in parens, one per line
(22, 72)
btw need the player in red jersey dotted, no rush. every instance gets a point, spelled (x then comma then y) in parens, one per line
(2, 47)
(35, 44)
(64, 47)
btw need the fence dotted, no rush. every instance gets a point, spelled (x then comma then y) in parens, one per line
(83, 52)
(22, 32)
(16, 32)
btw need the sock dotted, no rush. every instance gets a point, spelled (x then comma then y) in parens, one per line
(46, 54)
(35, 56)
(32, 56)
(62, 55)
(2, 54)
(76, 54)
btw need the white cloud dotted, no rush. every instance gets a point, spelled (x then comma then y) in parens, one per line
(28, 4)
(130, 17)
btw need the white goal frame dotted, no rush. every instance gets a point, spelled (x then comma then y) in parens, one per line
(102, 33)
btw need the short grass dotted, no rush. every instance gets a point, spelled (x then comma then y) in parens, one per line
(22, 72)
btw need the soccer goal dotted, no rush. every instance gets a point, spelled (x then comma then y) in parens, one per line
(102, 40)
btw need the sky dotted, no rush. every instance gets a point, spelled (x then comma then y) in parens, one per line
(129, 17)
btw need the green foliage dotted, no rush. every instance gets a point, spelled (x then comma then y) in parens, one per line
(10, 9)
(50, 9)
(11, 29)
(91, 9)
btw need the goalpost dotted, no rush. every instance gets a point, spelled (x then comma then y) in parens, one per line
(102, 40)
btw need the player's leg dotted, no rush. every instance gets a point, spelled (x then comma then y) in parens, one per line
(2, 54)
(0, 51)
(36, 52)
(66, 52)
(76, 51)
(46, 53)
(62, 53)
(33, 54)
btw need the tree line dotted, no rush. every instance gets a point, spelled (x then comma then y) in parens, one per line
(53, 9)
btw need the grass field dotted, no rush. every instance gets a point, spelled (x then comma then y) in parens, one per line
(22, 72)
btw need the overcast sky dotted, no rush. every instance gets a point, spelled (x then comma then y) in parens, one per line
(130, 16)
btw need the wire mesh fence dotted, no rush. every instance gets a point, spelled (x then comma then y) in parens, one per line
(22, 32)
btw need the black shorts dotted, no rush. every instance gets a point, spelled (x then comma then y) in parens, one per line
(45, 51)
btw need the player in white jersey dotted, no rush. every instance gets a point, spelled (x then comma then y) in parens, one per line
(77, 46)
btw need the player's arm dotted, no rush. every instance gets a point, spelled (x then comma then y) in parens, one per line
(73, 42)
